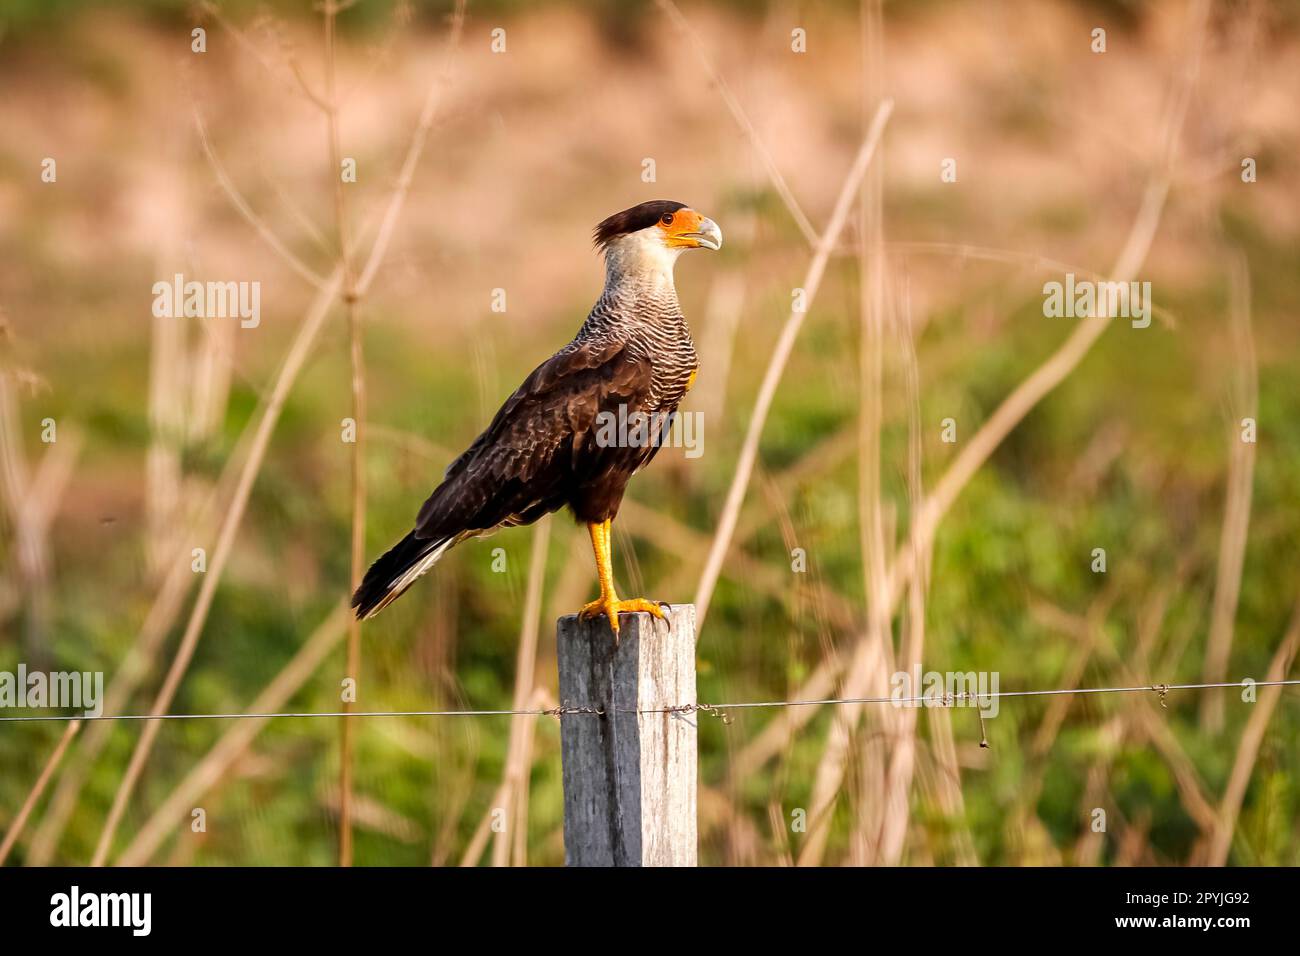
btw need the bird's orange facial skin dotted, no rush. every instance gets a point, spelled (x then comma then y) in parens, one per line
(682, 231)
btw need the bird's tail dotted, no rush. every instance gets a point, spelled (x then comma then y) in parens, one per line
(395, 571)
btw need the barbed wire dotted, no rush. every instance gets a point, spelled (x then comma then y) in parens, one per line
(716, 710)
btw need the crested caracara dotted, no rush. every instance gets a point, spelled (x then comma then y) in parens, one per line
(545, 448)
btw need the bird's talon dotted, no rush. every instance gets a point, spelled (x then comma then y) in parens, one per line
(612, 609)
(641, 605)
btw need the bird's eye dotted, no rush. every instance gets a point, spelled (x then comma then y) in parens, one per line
(666, 219)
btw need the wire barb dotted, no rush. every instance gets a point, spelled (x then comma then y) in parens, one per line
(566, 708)
(680, 710)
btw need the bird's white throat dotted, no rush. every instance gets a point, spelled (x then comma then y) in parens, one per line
(642, 258)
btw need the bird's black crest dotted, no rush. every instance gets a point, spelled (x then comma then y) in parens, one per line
(640, 216)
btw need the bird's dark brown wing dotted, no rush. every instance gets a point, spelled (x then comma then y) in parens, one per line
(541, 445)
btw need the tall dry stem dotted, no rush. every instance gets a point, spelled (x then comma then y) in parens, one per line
(358, 392)
(287, 375)
(910, 556)
(1244, 402)
(1252, 738)
(511, 843)
(38, 788)
(776, 364)
(215, 765)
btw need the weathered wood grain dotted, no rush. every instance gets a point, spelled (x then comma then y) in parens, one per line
(629, 777)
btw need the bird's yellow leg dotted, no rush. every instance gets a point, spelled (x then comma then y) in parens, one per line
(609, 603)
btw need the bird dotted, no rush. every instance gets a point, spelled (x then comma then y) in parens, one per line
(548, 446)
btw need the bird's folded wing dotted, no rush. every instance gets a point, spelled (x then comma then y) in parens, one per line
(532, 447)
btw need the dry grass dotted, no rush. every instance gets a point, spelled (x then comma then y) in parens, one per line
(289, 370)
(776, 365)
(1241, 482)
(215, 766)
(510, 844)
(38, 788)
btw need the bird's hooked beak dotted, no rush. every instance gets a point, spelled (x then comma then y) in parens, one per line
(706, 235)
(687, 229)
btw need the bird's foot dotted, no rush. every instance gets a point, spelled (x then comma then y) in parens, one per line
(613, 608)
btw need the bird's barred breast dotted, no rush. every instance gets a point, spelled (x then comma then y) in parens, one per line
(671, 352)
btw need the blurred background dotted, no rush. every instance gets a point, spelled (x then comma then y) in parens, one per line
(1066, 160)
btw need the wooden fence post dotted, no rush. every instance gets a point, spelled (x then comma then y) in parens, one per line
(629, 777)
